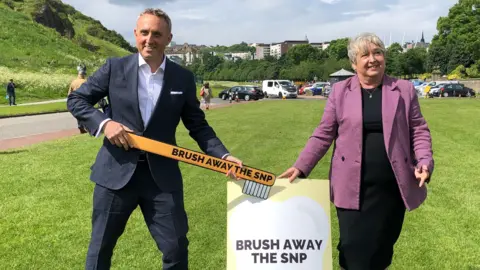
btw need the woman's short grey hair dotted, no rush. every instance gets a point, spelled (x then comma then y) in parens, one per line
(160, 14)
(360, 43)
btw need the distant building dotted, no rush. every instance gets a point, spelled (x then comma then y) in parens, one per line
(277, 49)
(262, 50)
(242, 55)
(238, 55)
(320, 45)
(175, 58)
(421, 44)
(186, 52)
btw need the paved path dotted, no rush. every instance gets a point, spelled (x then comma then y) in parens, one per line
(37, 124)
(39, 102)
(22, 131)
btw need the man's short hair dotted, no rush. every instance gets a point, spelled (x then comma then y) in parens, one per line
(160, 14)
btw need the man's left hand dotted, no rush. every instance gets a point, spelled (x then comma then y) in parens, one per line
(422, 174)
(231, 173)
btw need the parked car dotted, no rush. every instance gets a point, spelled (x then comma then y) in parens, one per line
(245, 92)
(416, 82)
(279, 88)
(431, 84)
(301, 90)
(453, 90)
(435, 90)
(317, 88)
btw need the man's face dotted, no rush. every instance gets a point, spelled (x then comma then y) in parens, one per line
(152, 36)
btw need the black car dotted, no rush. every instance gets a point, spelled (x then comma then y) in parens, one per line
(454, 90)
(245, 92)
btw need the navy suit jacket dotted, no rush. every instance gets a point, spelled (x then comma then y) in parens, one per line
(117, 80)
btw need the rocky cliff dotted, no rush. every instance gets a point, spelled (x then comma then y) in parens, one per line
(50, 15)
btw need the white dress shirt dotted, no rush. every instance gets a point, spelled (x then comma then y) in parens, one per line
(149, 88)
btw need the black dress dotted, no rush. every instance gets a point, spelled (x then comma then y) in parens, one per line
(367, 236)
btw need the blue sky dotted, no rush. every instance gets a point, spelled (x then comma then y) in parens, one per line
(226, 22)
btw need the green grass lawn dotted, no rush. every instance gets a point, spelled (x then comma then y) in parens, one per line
(33, 109)
(47, 196)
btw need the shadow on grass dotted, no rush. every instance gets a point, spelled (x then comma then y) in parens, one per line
(12, 152)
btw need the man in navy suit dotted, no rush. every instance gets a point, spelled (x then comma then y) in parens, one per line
(148, 95)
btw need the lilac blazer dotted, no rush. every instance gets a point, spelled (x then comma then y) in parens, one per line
(407, 140)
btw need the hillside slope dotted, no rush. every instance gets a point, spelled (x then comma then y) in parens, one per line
(49, 36)
(43, 41)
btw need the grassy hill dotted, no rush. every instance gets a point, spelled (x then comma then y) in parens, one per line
(63, 38)
(43, 41)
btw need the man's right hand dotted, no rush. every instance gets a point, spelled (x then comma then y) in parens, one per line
(116, 133)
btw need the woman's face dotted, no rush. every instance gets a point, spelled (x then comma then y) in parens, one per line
(370, 63)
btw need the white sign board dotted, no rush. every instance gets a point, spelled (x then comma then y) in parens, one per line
(289, 230)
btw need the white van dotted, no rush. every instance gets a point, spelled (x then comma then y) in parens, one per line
(279, 88)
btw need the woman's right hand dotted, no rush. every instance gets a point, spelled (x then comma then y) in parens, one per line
(292, 173)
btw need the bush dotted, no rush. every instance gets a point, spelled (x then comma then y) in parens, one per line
(457, 73)
(36, 85)
(9, 4)
(425, 76)
(474, 70)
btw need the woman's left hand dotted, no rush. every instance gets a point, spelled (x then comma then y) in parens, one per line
(422, 174)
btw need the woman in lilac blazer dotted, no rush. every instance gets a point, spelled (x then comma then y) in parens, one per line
(382, 156)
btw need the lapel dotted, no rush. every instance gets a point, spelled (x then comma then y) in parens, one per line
(164, 98)
(390, 96)
(131, 74)
(354, 106)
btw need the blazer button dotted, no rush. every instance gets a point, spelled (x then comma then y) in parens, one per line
(406, 160)
(343, 158)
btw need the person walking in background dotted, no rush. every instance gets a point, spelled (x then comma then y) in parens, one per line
(207, 95)
(77, 82)
(11, 92)
(74, 85)
(381, 160)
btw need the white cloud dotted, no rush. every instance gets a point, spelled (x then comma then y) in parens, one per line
(226, 22)
(190, 14)
(330, 1)
(358, 12)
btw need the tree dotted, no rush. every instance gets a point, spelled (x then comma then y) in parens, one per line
(304, 52)
(457, 41)
(412, 62)
(393, 60)
(211, 61)
(338, 49)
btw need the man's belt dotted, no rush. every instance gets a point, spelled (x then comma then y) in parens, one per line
(258, 182)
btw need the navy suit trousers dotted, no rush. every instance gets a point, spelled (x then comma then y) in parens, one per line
(164, 214)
